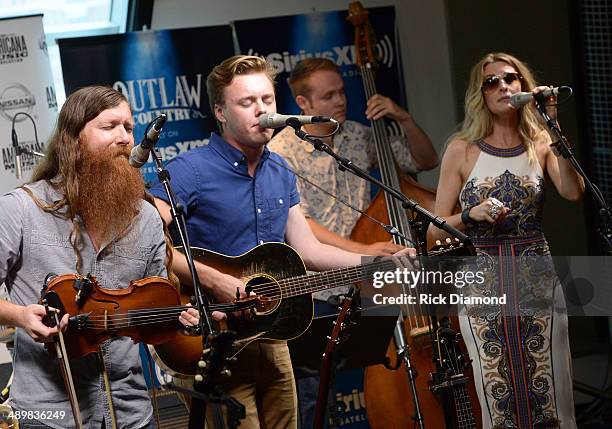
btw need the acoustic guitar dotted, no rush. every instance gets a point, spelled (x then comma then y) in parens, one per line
(275, 276)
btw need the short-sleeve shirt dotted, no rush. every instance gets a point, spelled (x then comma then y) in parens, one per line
(353, 141)
(33, 244)
(226, 209)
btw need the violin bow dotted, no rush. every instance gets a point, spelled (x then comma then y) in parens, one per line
(64, 364)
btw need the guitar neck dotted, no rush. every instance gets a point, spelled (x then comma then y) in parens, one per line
(463, 407)
(310, 283)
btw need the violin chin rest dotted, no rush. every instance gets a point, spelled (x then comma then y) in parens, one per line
(54, 301)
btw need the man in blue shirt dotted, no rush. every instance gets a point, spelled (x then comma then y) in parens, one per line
(235, 197)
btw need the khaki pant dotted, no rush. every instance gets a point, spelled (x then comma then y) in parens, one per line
(262, 380)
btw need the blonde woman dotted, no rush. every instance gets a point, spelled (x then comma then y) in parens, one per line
(496, 167)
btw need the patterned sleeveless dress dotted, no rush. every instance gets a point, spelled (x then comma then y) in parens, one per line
(520, 351)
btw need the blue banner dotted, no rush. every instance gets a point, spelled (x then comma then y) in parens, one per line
(285, 40)
(159, 72)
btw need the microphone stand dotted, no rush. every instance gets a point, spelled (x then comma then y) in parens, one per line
(18, 149)
(561, 147)
(345, 164)
(422, 217)
(26, 151)
(200, 395)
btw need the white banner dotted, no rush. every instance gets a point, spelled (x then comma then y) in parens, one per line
(26, 85)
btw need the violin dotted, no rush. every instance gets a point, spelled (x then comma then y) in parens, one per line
(146, 311)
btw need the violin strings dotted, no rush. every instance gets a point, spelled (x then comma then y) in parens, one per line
(290, 285)
(154, 311)
(135, 314)
(111, 326)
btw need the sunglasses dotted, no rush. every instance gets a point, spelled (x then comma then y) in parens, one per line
(492, 82)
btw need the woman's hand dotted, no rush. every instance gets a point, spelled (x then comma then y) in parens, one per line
(549, 102)
(490, 210)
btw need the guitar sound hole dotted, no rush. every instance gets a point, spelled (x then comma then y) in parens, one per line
(268, 291)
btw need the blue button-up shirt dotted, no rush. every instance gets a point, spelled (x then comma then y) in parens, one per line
(227, 210)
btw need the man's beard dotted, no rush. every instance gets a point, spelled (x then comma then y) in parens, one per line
(110, 192)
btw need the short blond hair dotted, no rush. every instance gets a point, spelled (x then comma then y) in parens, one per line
(224, 73)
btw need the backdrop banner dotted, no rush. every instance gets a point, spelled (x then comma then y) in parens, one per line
(159, 72)
(26, 87)
(285, 40)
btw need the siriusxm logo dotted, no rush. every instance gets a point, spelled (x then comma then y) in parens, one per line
(340, 55)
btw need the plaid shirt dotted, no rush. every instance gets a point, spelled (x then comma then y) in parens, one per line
(354, 141)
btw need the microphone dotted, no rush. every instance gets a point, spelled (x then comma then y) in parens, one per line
(140, 154)
(521, 98)
(275, 120)
(17, 153)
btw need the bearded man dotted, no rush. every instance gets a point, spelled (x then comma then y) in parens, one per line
(83, 212)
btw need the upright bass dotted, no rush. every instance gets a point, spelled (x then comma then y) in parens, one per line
(387, 392)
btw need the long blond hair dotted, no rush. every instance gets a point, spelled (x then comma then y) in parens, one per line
(478, 121)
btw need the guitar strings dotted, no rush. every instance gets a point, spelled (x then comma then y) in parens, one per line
(133, 317)
(294, 286)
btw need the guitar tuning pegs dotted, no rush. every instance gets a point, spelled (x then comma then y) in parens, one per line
(328, 337)
(448, 240)
(226, 372)
(201, 364)
(438, 243)
(198, 378)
